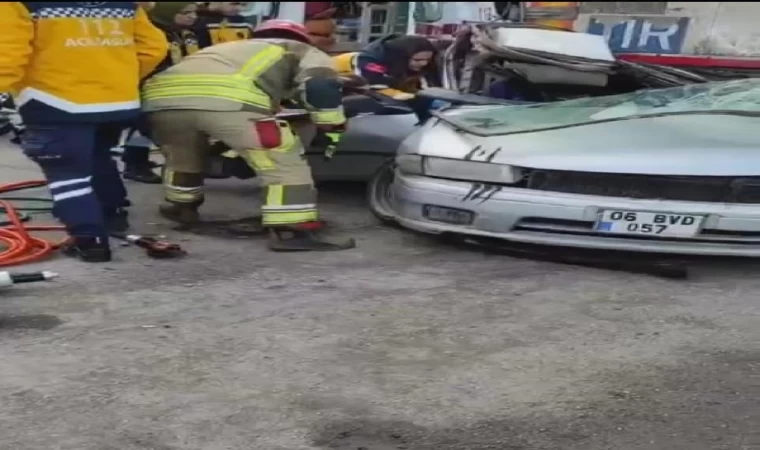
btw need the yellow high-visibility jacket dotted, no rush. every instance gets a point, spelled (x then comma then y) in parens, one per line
(214, 28)
(255, 75)
(358, 63)
(77, 61)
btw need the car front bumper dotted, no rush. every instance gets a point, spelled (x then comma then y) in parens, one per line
(550, 218)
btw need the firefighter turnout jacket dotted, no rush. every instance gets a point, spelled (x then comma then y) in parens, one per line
(255, 76)
(76, 61)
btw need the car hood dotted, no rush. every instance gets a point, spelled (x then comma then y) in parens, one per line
(698, 145)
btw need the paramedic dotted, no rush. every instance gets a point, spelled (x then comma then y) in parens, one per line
(406, 64)
(74, 114)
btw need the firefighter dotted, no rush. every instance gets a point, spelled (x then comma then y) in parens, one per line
(231, 93)
(74, 70)
(175, 19)
(220, 22)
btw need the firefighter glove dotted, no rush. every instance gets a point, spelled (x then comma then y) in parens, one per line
(327, 140)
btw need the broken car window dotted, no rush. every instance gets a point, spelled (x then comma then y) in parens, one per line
(740, 96)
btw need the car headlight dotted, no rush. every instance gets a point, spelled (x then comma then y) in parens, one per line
(456, 169)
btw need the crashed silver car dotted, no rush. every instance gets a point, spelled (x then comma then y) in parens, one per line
(541, 65)
(673, 170)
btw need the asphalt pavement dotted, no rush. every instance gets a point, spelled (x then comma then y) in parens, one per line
(404, 343)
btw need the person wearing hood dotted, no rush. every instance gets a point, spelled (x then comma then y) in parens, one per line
(175, 19)
(406, 64)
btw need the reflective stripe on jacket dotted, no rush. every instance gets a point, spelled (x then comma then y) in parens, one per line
(254, 75)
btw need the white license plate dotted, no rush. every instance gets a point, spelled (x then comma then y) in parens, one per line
(652, 224)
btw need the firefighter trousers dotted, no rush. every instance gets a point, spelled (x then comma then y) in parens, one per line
(269, 146)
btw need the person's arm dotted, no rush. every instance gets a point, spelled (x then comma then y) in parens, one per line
(376, 73)
(321, 90)
(150, 43)
(15, 44)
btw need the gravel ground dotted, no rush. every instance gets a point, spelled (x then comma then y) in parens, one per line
(403, 343)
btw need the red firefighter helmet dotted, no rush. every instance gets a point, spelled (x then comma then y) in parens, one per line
(282, 28)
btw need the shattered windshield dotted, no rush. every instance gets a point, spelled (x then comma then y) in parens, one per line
(738, 96)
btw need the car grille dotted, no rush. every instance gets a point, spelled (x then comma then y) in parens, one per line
(650, 187)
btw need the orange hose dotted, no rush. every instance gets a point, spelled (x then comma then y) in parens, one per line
(21, 246)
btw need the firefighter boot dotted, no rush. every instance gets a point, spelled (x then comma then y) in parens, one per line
(291, 239)
(183, 213)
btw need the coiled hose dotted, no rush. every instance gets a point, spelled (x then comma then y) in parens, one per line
(20, 247)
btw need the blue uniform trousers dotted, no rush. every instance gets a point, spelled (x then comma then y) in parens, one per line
(82, 177)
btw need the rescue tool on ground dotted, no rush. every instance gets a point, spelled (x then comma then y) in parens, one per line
(231, 93)
(154, 248)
